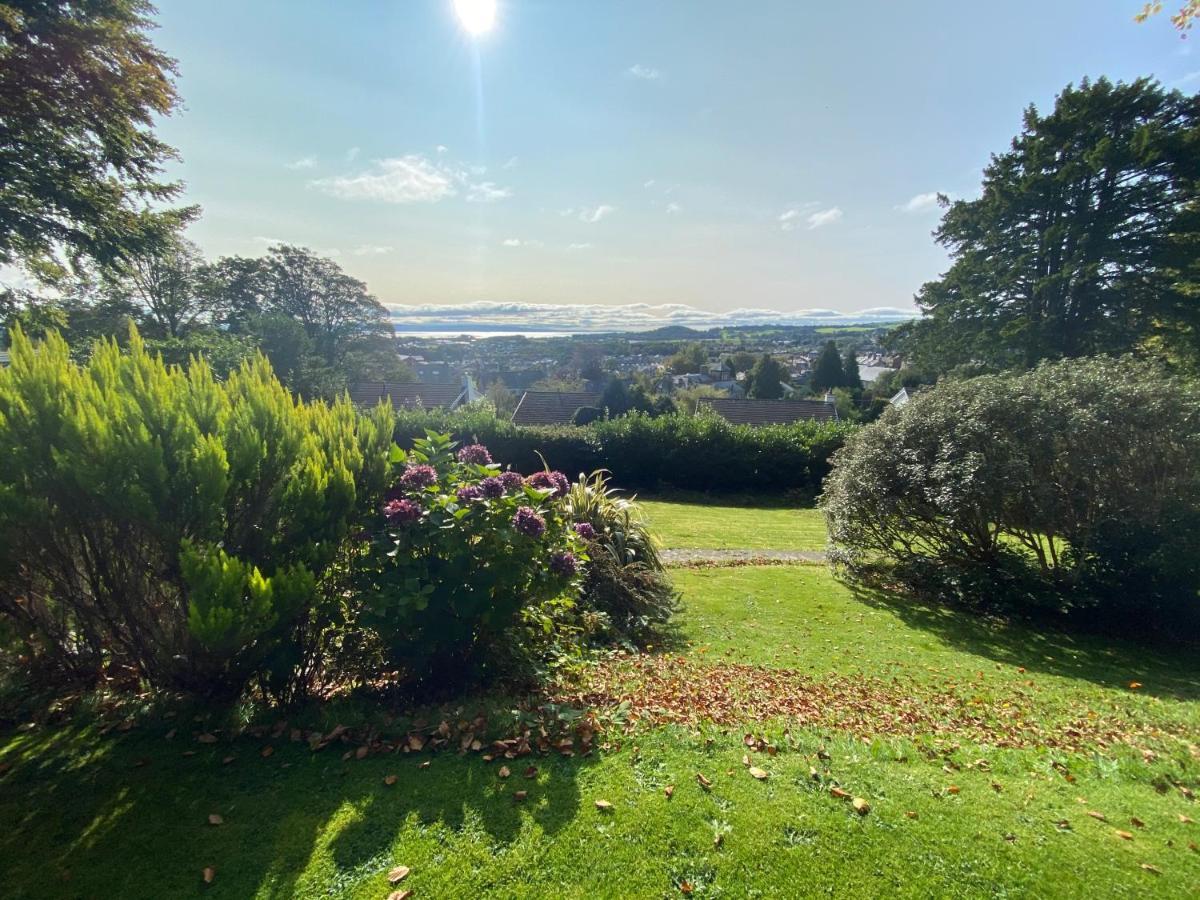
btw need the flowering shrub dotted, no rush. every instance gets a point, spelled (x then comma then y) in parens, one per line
(459, 557)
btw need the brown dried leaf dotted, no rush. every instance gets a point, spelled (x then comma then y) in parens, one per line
(267, 751)
(1186, 820)
(669, 790)
(214, 819)
(208, 874)
(504, 772)
(1097, 815)
(400, 895)
(1137, 823)
(1150, 868)
(703, 782)
(603, 805)
(398, 874)
(361, 752)
(839, 793)
(861, 806)
(1124, 835)
(520, 795)
(530, 772)
(389, 779)
(758, 773)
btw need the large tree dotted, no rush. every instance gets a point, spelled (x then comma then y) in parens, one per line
(80, 86)
(165, 282)
(1084, 239)
(827, 371)
(766, 378)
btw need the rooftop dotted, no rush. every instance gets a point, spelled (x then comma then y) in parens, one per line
(551, 407)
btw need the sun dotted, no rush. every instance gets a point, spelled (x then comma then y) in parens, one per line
(476, 16)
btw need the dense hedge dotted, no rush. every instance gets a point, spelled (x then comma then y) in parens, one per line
(698, 453)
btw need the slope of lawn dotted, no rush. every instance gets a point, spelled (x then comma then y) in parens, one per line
(1080, 785)
(697, 526)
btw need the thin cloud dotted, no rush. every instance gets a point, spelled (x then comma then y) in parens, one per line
(674, 209)
(372, 249)
(583, 245)
(511, 163)
(304, 162)
(487, 192)
(824, 217)
(595, 214)
(403, 179)
(518, 242)
(920, 203)
(352, 154)
(645, 73)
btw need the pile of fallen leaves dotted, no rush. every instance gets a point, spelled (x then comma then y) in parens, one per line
(668, 689)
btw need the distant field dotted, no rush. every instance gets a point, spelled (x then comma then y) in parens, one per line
(691, 526)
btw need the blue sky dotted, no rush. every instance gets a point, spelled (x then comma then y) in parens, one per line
(710, 155)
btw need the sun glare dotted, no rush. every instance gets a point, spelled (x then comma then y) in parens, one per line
(476, 16)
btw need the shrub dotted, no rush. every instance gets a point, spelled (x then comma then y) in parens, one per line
(459, 558)
(1076, 485)
(698, 453)
(626, 588)
(158, 522)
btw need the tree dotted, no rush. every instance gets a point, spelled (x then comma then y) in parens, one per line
(741, 361)
(851, 377)
(80, 87)
(828, 373)
(766, 378)
(589, 360)
(691, 357)
(1183, 19)
(1083, 241)
(503, 401)
(164, 281)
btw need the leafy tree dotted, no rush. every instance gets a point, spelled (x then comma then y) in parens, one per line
(164, 281)
(766, 378)
(589, 360)
(691, 357)
(1084, 240)
(741, 361)
(828, 372)
(503, 400)
(615, 398)
(687, 400)
(80, 87)
(851, 377)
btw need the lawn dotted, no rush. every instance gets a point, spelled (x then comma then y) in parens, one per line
(702, 526)
(996, 761)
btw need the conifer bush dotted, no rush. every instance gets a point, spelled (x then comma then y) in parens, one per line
(161, 524)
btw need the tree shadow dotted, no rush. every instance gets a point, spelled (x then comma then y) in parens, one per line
(1165, 672)
(126, 814)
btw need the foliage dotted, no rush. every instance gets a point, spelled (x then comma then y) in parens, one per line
(1083, 241)
(696, 453)
(687, 400)
(827, 372)
(691, 357)
(80, 87)
(1037, 489)
(625, 584)
(766, 378)
(1183, 18)
(851, 378)
(459, 556)
(157, 522)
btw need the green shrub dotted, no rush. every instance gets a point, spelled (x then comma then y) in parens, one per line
(463, 565)
(626, 589)
(1075, 486)
(158, 522)
(698, 453)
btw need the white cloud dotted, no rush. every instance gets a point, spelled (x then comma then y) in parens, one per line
(789, 219)
(649, 183)
(583, 245)
(487, 192)
(518, 242)
(593, 215)
(372, 249)
(646, 73)
(304, 162)
(403, 179)
(824, 217)
(674, 209)
(920, 203)
(352, 154)
(521, 316)
(511, 163)
(442, 148)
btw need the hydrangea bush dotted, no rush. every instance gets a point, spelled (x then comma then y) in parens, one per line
(459, 556)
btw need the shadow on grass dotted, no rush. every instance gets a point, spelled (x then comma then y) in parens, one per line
(126, 814)
(1166, 672)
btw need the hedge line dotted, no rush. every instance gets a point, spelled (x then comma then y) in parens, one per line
(695, 453)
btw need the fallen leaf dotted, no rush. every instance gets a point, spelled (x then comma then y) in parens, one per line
(389, 779)
(400, 895)
(214, 819)
(814, 774)
(1134, 685)
(530, 772)
(208, 874)
(1124, 835)
(1137, 823)
(953, 789)
(861, 806)
(703, 782)
(997, 787)
(361, 752)
(1149, 868)
(504, 772)
(839, 793)
(603, 805)
(911, 814)
(1186, 820)
(426, 764)
(1097, 815)
(267, 751)
(685, 887)
(398, 874)
(758, 773)
(669, 790)
(520, 795)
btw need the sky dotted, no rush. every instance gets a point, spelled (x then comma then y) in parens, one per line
(637, 161)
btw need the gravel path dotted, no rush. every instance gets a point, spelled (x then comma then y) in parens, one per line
(735, 557)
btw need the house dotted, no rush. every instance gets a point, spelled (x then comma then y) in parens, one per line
(552, 407)
(770, 412)
(414, 394)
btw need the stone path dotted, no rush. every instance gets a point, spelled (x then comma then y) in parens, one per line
(740, 557)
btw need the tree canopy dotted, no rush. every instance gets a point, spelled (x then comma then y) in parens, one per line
(828, 373)
(80, 86)
(766, 378)
(1084, 240)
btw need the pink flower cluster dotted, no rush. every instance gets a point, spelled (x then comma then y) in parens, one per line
(402, 511)
(528, 522)
(475, 455)
(417, 477)
(555, 482)
(564, 564)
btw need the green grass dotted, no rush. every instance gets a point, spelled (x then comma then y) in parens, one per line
(125, 814)
(707, 527)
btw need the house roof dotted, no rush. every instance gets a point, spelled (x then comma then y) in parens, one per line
(551, 407)
(407, 394)
(770, 412)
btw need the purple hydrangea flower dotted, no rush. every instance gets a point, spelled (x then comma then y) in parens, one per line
(416, 477)
(511, 481)
(556, 482)
(469, 492)
(492, 488)
(528, 522)
(585, 530)
(564, 564)
(401, 511)
(475, 455)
